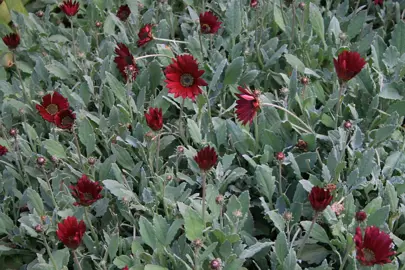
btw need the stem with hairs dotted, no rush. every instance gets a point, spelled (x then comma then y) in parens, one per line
(301, 248)
(48, 249)
(76, 260)
(78, 148)
(93, 233)
(256, 127)
(157, 153)
(342, 89)
(204, 183)
(170, 40)
(49, 186)
(151, 55)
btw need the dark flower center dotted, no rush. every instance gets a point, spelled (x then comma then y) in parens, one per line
(52, 109)
(129, 59)
(67, 120)
(88, 196)
(205, 28)
(186, 80)
(368, 254)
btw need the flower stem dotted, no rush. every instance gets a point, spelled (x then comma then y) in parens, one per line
(170, 40)
(307, 128)
(93, 233)
(21, 80)
(201, 44)
(73, 38)
(20, 162)
(280, 184)
(157, 153)
(342, 88)
(349, 247)
(151, 55)
(256, 127)
(76, 260)
(78, 148)
(204, 183)
(301, 248)
(48, 249)
(181, 121)
(293, 24)
(50, 187)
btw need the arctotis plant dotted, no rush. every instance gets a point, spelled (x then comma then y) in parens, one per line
(197, 134)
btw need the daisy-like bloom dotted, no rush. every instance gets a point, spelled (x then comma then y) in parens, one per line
(206, 158)
(154, 118)
(254, 3)
(123, 12)
(319, 198)
(12, 40)
(125, 62)
(374, 247)
(70, 8)
(65, 119)
(209, 23)
(70, 232)
(51, 105)
(86, 192)
(247, 105)
(145, 35)
(183, 77)
(348, 64)
(3, 150)
(379, 2)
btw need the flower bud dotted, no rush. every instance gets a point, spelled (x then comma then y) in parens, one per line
(302, 145)
(280, 156)
(13, 132)
(40, 13)
(219, 199)
(38, 228)
(347, 124)
(99, 24)
(54, 159)
(284, 91)
(41, 161)
(180, 149)
(342, 36)
(287, 216)
(237, 213)
(304, 80)
(197, 243)
(91, 161)
(169, 177)
(215, 264)
(331, 187)
(361, 216)
(301, 5)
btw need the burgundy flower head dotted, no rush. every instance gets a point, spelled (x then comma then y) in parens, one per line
(154, 118)
(348, 65)
(70, 232)
(254, 3)
(51, 105)
(378, 2)
(125, 268)
(183, 77)
(247, 105)
(86, 192)
(70, 8)
(3, 150)
(125, 62)
(123, 12)
(320, 198)
(361, 216)
(12, 40)
(65, 119)
(209, 23)
(145, 35)
(374, 248)
(206, 158)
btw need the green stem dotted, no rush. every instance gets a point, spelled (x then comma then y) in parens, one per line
(201, 44)
(73, 38)
(78, 148)
(76, 260)
(170, 40)
(21, 80)
(342, 266)
(293, 24)
(280, 184)
(196, 260)
(181, 121)
(342, 88)
(157, 154)
(50, 187)
(48, 249)
(93, 233)
(151, 55)
(256, 127)
(129, 90)
(20, 163)
(203, 180)
(301, 248)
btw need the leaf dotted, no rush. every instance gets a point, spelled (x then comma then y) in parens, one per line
(366, 163)
(234, 71)
(193, 222)
(118, 189)
(171, 233)
(252, 250)
(295, 62)
(35, 201)
(278, 14)
(290, 261)
(392, 196)
(194, 131)
(154, 267)
(356, 24)
(317, 233)
(315, 16)
(281, 246)
(398, 37)
(83, 41)
(249, 77)
(54, 148)
(87, 136)
(147, 232)
(379, 217)
(61, 257)
(113, 246)
(122, 261)
(266, 181)
(277, 220)
(155, 75)
(391, 57)
(217, 74)
(58, 70)
(117, 87)
(233, 20)
(123, 157)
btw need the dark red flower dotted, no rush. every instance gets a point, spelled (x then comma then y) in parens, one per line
(247, 105)
(70, 232)
(374, 248)
(145, 35)
(154, 118)
(12, 40)
(379, 2)
(3, 150)
(86, 192)
(125, 268)
(125, 61)
(254, 3)
(348, 65)
(183, 77)
(65, 119)
(206, 158)
(123, 12)
(320, 198)
(361, 216)
(70, 8)
(209, 23)
(51, 105)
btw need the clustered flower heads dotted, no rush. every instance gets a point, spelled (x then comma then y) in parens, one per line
(55, 109)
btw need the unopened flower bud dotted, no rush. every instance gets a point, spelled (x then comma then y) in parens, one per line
(287, 216)
(237, 213)
(180, 149)
(301, 5)
(361, 216)
(338, 208)
(215, 264)
(54, 159)
(219, 199)
(91, 161)
(331, 187)
(304, 80)
(38, 228)
(342, 36)
(99, 24)
(41, 161)
(169, 177)
(13, 132)
(40, 13)
(284, 91)
(280, 156)
(197, 243)
(302, 145)
(347, 124)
